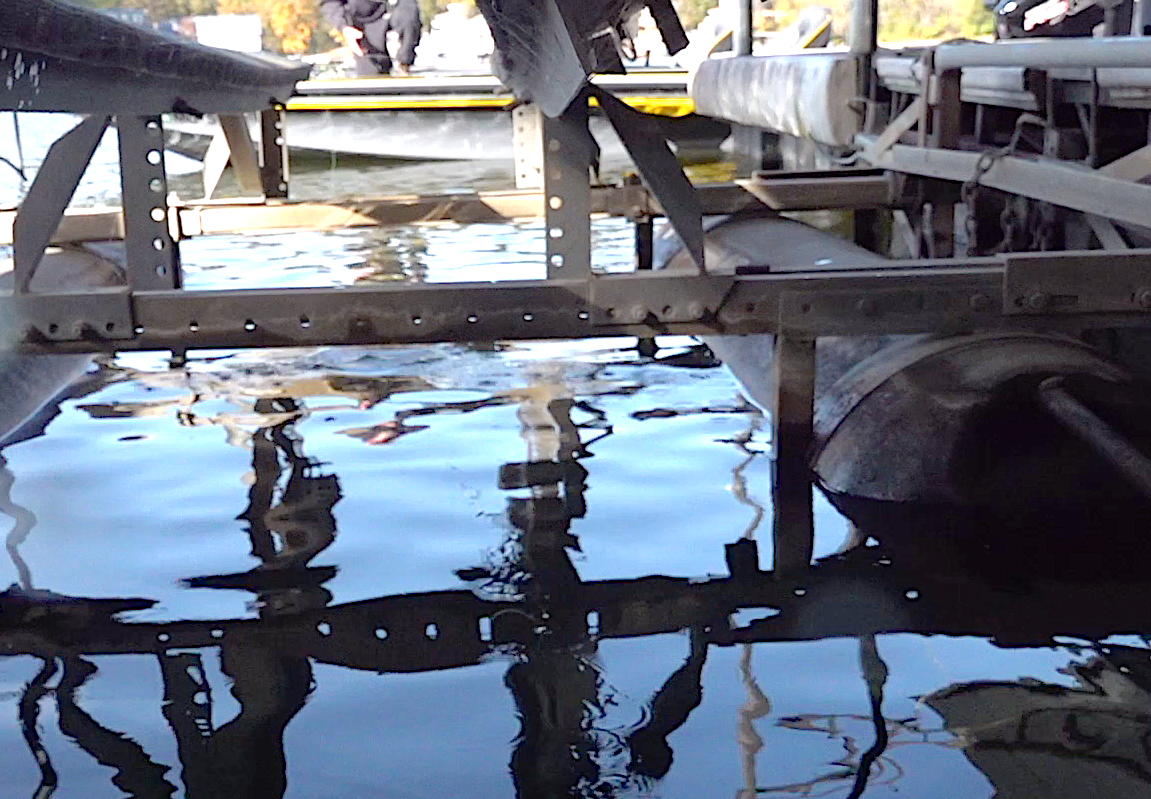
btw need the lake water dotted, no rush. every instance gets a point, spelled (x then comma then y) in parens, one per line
(355, 587)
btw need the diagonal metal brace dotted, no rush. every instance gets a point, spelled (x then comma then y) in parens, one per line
(49, 195)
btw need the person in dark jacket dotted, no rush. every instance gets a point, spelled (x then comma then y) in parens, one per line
(364, 27)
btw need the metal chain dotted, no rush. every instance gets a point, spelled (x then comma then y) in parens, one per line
(970, 191)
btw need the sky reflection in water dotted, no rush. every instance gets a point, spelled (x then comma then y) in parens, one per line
(476, 524)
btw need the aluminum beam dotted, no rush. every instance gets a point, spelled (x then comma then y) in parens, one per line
(1085, 53)
(923, 296)
(1057, 182)
(838, 189)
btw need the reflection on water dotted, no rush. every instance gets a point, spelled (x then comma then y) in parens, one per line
(831, 682)
(527, 570)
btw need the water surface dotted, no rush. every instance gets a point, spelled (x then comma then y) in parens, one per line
(424, 572)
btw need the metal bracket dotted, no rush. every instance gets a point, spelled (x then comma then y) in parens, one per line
(1069, 282)
(832, 313)
(48, 196)
(153, 260)
(274, 153)
(567, 159)
(96, 314)
(676, 298)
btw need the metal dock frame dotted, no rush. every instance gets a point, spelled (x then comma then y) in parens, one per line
(1064, 291)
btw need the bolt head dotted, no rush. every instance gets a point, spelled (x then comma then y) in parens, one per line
(1038, 301)
(1143, 298)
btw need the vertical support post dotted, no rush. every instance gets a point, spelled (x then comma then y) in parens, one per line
(863, 30)
(644, 242)
(644, 260)
(152, 255)
(567, 157)
(528, 146)
(1141, 18)
(946, 122)
(742, 36)
(792, 413)
(273, 153)
(863, 41)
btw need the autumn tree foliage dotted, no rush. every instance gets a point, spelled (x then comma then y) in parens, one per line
(898, 19)
(291, 26)
(296, 26)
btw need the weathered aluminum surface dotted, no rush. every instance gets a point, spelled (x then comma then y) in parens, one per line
(273, 154)
(1059, 182)
(238, 216)
(485, 312)
(153, 260)
(661, 172)
(841, 189)
(62, 57)
(35, 222)
(1086, 53)
(569, 152)
(1076, 282)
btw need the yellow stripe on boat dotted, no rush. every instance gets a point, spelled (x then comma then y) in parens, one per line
(668, 106)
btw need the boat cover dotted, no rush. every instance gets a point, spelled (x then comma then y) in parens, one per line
(59, 57)
(808, 95)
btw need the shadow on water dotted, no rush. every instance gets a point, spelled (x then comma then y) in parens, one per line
(527, 607)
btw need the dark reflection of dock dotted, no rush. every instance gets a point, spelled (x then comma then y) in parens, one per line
(529, 605)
